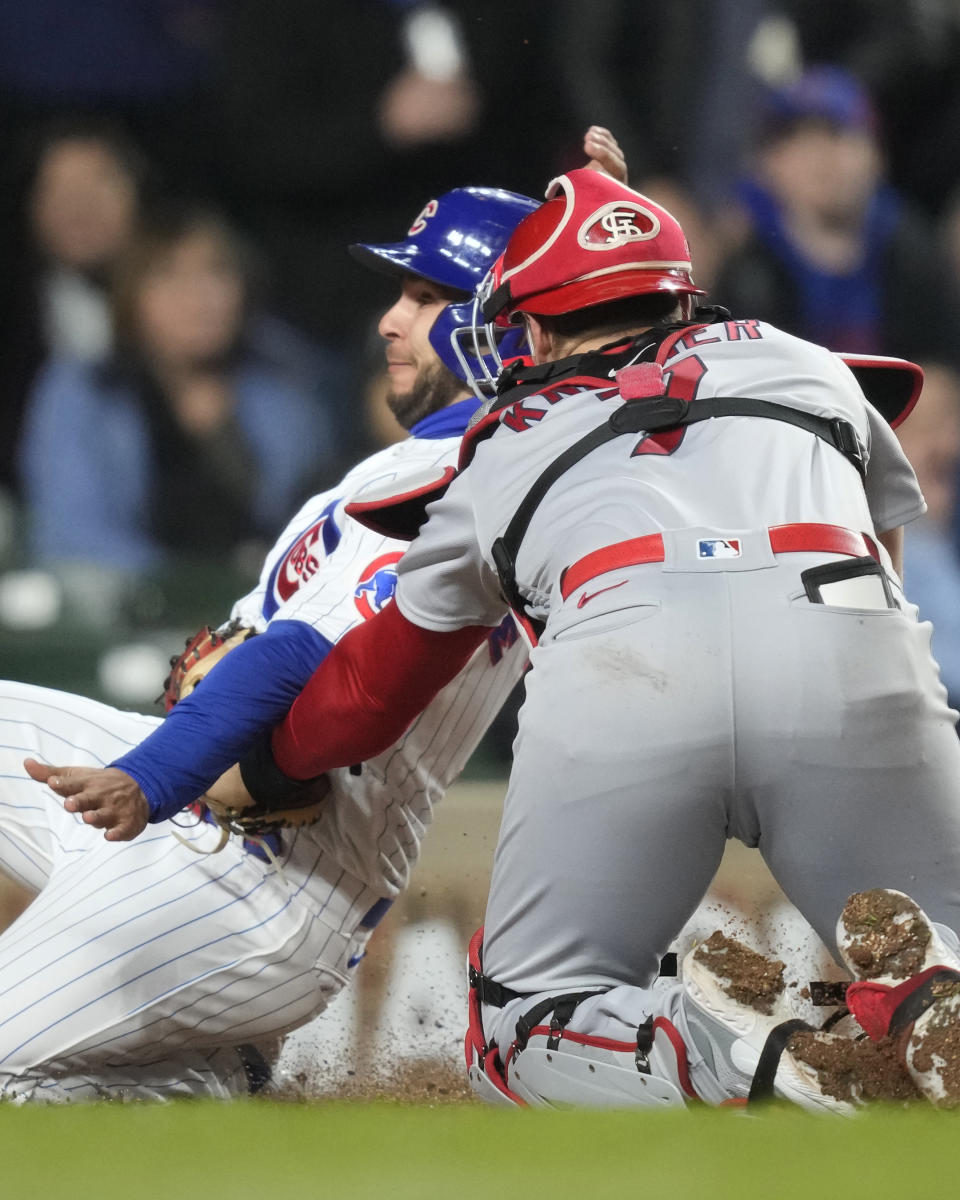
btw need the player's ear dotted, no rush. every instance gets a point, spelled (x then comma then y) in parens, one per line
(540, 340)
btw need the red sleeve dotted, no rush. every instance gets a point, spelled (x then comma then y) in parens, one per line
(367, 690)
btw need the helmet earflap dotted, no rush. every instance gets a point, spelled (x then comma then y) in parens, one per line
(474, 350)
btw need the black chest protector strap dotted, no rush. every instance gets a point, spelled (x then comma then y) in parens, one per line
(654, 414)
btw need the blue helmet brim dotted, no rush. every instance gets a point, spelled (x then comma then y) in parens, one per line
(454, 240)
(407, 258)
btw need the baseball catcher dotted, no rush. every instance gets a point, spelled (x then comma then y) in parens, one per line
(703, 516)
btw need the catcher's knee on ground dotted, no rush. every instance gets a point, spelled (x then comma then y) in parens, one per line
(709, 1038)
(522, 1050)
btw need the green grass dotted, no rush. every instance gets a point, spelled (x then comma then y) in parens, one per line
(270, 1151)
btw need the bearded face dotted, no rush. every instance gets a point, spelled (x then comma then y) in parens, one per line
(434, 387)
(419, 382)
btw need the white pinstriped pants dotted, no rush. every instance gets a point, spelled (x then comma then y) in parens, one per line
(141, 965)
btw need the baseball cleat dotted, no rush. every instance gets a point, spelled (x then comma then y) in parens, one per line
(743, 993)
(908, 987)
(856, 1070)
(884, 935)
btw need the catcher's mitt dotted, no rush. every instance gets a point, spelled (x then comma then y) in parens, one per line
(203, 651)
(228, 801)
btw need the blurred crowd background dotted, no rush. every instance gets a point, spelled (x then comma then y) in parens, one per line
(187, 351)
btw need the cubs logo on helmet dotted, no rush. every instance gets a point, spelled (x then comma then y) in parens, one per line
(594, 240)
(454, 239)
(377, 583)
(420, 221)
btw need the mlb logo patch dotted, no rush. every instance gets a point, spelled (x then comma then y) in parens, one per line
(718, 548)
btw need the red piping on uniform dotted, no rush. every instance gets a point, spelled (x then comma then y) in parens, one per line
(784, 539)
(473, 435)
(522, 619)
(666, 347)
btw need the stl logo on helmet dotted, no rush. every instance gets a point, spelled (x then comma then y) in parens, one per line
(419, 225)
(378, 582)
(616, 224)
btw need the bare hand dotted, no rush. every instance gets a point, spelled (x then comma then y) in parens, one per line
(604, 152)
(105, 797)
(416, 111)
(229, 792)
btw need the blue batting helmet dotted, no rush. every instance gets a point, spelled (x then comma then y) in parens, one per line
(454, 240)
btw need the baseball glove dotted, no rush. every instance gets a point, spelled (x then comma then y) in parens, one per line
(228, 801)
(203, 651)
(236, 811)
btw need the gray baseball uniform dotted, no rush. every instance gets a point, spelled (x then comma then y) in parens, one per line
(692, 683)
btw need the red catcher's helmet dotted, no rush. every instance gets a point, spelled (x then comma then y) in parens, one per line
(593, 241)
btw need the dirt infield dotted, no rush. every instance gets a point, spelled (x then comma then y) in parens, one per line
(398, 1030)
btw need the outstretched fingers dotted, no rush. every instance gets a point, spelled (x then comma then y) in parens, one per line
(65, 781)
(106, 798)
(604, 152)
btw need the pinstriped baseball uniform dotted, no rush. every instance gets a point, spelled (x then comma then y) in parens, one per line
(698, 691)
(141, 965)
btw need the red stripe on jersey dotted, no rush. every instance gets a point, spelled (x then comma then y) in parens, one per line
(659, 443)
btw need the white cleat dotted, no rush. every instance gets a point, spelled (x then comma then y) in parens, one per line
(884, 935)
(743, 992)
(909, 986)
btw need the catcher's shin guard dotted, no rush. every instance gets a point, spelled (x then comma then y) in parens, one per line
(484, 1068)
(547, 1065)
(594, 1072)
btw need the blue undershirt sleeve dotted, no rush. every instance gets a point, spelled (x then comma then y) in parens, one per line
(249, 691)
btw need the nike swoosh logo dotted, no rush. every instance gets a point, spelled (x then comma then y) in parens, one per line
(588, 596)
